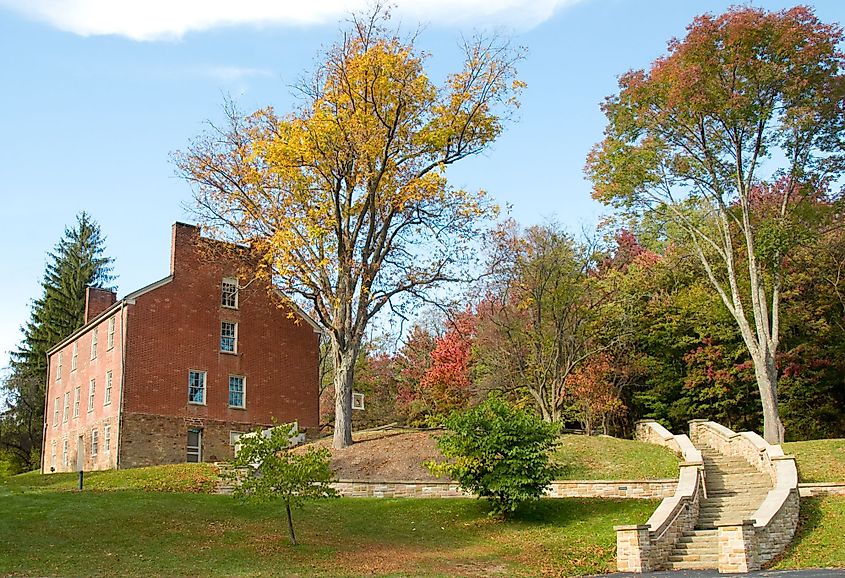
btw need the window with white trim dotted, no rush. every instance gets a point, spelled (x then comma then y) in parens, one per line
(59, 366)
(229, 293)
(64, 454)
(76, 402)
(235, 437)
(107, 395)
(196, 387)
(94, 339)
(73, 356)
(237, 391)
(53, 455)
(228, 337)
(67, 407)
(95, 442)
(92, 388)
(56, 412)
(107, 439)
(110, 334)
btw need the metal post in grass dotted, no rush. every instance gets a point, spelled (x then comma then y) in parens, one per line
(81, 476)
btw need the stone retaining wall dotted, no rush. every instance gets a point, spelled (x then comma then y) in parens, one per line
(618, 489)
(808, 490)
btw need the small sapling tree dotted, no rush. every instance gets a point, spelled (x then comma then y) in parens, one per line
(499, 452)
(277, 473)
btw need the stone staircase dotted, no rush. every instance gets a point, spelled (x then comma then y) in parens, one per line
(735, 490)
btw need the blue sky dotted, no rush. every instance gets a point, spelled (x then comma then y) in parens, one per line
(97, 94)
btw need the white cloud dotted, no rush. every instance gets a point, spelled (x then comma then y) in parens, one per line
(170, 19)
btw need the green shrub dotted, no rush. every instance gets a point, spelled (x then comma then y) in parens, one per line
(273, 472)
(498, 452)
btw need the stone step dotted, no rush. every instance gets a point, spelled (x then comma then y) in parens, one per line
(694, 557)
(695, 533)
(698, 565)
(696, 548)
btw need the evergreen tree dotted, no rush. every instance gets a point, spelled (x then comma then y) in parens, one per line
(78, 261)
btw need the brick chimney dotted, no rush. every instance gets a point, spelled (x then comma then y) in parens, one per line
(97, 300)
(183, 244)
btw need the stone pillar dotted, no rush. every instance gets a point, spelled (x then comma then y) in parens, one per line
(693, 430)
(737, 547)
(633, 548)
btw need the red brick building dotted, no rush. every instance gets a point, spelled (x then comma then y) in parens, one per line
(175, 371)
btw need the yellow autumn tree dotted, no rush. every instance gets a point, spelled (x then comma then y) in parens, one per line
(346, 198)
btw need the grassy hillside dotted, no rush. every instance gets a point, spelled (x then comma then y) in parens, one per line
(818, 543)
(606, 458)
(819, 460)
(132, 533)
(171, 478)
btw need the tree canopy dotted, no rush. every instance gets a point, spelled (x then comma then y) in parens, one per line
(346, 198)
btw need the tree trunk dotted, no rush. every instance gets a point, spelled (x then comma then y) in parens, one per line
(767, 382)
(290, 524)
(344, 366)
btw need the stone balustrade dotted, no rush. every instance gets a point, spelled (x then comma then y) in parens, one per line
(644, 548)
(775, 521)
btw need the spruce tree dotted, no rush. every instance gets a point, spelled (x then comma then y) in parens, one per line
(77, 261)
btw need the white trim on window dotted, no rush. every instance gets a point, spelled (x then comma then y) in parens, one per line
(237, 391)
(95, 338)
(92, 389)
(196, 386)
(59, 366)
(107, 393)
(110, 334)
(228, 337)
(53, 445)
(95, 442)
(229, 293)
(107, 439)
(76, 402)
(65, 462)
(67, 407)
(74, 355)
(56, 412)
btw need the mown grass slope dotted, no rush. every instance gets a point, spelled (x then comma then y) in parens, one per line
(819, 460)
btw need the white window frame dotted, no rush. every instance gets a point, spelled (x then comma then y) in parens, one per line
(67, 407)
(243, 391)
(76, 393)
(95, 442)
(233, 337)
(357, 400)
(65, 453)
(59, 366)
(92, 390)
(110, 334)
(56, 411)
(95, 338)
(204, 377)
(107, 392)
(74, 356)
(235, 437)
(107, 439)
(229, 303)
(53, 455)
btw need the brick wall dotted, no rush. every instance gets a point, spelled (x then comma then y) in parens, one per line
(64, 379)
(175, 328)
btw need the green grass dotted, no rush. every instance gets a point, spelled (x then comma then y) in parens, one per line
(606, 458)
(819, 460)
(171, 478)
(819, 542)
(133, 533)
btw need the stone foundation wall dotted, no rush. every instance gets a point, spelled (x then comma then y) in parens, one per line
(778, 533)
(147, 440)
(822, 489)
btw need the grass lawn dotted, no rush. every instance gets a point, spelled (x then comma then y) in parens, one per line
(606, 458)
(819, 542)
(171, 478)
(819, 460)
(132, 533)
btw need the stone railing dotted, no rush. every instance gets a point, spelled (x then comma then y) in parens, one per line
(646, 547)
(745, 545)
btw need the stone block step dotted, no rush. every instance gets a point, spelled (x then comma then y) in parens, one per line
(696, 548)
(697, 533)
(694, 558)
(699, 565)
